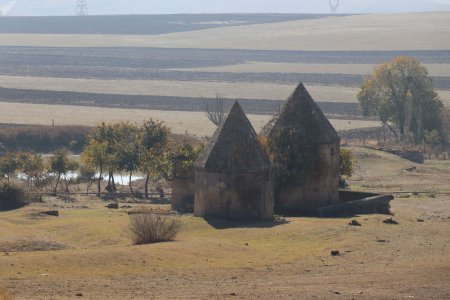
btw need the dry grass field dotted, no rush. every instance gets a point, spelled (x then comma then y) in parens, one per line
(195, 123)
(228, 260)
(372, 32)
(230, 90)
(311, 68)
(207, 89)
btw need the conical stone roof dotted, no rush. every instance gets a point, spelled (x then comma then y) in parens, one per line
(301, 113)
(234, 147)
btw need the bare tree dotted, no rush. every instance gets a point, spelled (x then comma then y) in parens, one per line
(214, 109)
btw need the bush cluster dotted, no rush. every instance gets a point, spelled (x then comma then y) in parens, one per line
(150, 228)
(12, 196)
(44, 139)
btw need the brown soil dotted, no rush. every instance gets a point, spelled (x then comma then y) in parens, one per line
(410, 260)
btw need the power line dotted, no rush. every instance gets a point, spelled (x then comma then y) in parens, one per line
(81, 8)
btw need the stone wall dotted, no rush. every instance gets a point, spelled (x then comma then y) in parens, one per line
(234, 196)
(320, 186)
(182, 199)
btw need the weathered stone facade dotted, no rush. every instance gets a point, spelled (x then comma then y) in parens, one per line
(233, 175)
(301, 125)
(182, 199)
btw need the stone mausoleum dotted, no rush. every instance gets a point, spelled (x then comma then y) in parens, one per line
(233, 174)
(306, 146)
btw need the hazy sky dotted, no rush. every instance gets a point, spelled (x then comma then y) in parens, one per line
(96, 7)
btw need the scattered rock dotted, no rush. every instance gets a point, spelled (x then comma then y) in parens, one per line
(335, 253)
(79, 295)
(336, 293)
(126, 206)
(381, 241)
(31, 245)
(112, 206)
(54, 213)
(420, 220)
(246, 244)
(232, 294)
(412, 169)
(390, 221)
(354, 223)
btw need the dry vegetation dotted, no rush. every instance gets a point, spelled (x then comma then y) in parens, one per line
(195, 123)
(150, 228)
(258, 260)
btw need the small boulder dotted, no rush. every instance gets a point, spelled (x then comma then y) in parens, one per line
(112, 206)
(390, 221)
(54, 213)
(335, 253)
(420, 220)
(354, 223)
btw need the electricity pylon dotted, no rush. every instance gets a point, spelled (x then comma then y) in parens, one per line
(81, 8)
(334, 4)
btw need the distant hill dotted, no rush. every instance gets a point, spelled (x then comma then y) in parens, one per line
(139, 24)
(115, 7)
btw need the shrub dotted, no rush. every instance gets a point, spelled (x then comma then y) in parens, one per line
(346, 162)
(153, 228)
(12, 197)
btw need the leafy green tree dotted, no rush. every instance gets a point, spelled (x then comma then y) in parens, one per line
(346, 162)
(95, 155)
(101, 153)
(8, 165)
(32, 165)
(61, 165)
(433, 140)
(154, 153)
(87, 175)
(187, 155)
(401, 93)
(126, 149)
(446, 127)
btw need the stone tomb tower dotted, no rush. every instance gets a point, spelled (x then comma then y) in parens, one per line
(308, 147)
(233, 174)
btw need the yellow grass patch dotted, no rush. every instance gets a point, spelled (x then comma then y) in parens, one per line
(195, 123)
(244, 90)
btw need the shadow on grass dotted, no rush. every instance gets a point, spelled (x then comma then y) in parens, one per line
(226, 224)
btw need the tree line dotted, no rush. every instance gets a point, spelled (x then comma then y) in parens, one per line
(147, 149)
